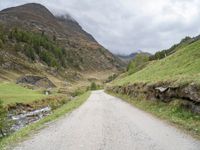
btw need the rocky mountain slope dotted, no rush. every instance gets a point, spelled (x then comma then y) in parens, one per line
(34, 40)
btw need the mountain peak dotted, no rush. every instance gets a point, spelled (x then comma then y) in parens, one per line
(30, 8)
(35, 5)
(82, 51)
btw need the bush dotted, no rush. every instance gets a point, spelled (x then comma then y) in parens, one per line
(5, 123)
(29, 52)
(1, 43)
(48, 58)
(138, 63)
(2, 34)
(93, 86)
(18, 47)
(111, 78)
(78, 92)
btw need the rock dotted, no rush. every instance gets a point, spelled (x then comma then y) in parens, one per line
(38, 81)
(191, 92)
(161, 89)
(26, 118)
(192, 107)
(48, 91)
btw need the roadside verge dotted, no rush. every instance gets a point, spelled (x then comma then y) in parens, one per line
(23, 133)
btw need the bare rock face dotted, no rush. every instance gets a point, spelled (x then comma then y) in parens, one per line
(38, 81)
(191, 92)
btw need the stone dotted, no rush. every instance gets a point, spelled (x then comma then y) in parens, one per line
(162, 89)
(38, 81)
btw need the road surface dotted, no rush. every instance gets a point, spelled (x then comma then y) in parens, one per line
(104, 122)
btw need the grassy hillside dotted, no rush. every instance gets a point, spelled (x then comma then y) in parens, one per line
(180, 67)
(12, 93)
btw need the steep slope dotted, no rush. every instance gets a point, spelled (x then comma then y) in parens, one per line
(63, 33)
(172, 83)
(182, 66)
(184, 42)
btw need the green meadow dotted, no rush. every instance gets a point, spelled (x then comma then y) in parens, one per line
(181, 67)
(13, 93)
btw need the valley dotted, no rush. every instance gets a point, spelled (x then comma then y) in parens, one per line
(46, 61)
(58, 81)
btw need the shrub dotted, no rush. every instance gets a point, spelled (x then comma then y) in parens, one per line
(78, 92)
(111, 78)
(93, 86)
(29, 52)
(2, 34)
(1, 43)
(48, 58)
(18, 47)
(5, 123)
(138, 63)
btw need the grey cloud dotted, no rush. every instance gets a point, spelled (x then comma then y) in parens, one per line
(124, 26)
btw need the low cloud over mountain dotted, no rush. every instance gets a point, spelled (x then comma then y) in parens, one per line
(124, 26)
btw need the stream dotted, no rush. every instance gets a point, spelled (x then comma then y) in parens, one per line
(26, 118)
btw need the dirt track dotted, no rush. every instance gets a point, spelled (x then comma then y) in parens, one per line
(107, 123)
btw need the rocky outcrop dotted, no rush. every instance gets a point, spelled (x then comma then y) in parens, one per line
(38, 81)
(166, 92)
(189, 94)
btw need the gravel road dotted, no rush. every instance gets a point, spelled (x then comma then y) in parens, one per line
(104, 122)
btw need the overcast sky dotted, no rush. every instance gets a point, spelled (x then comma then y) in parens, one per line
(125, 26)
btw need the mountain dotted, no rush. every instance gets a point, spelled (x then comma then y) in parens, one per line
(128, 58)
(33, 37)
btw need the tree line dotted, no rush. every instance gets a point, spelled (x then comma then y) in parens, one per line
(35, 44)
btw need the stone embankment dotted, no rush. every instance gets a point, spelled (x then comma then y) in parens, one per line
(189, 94)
